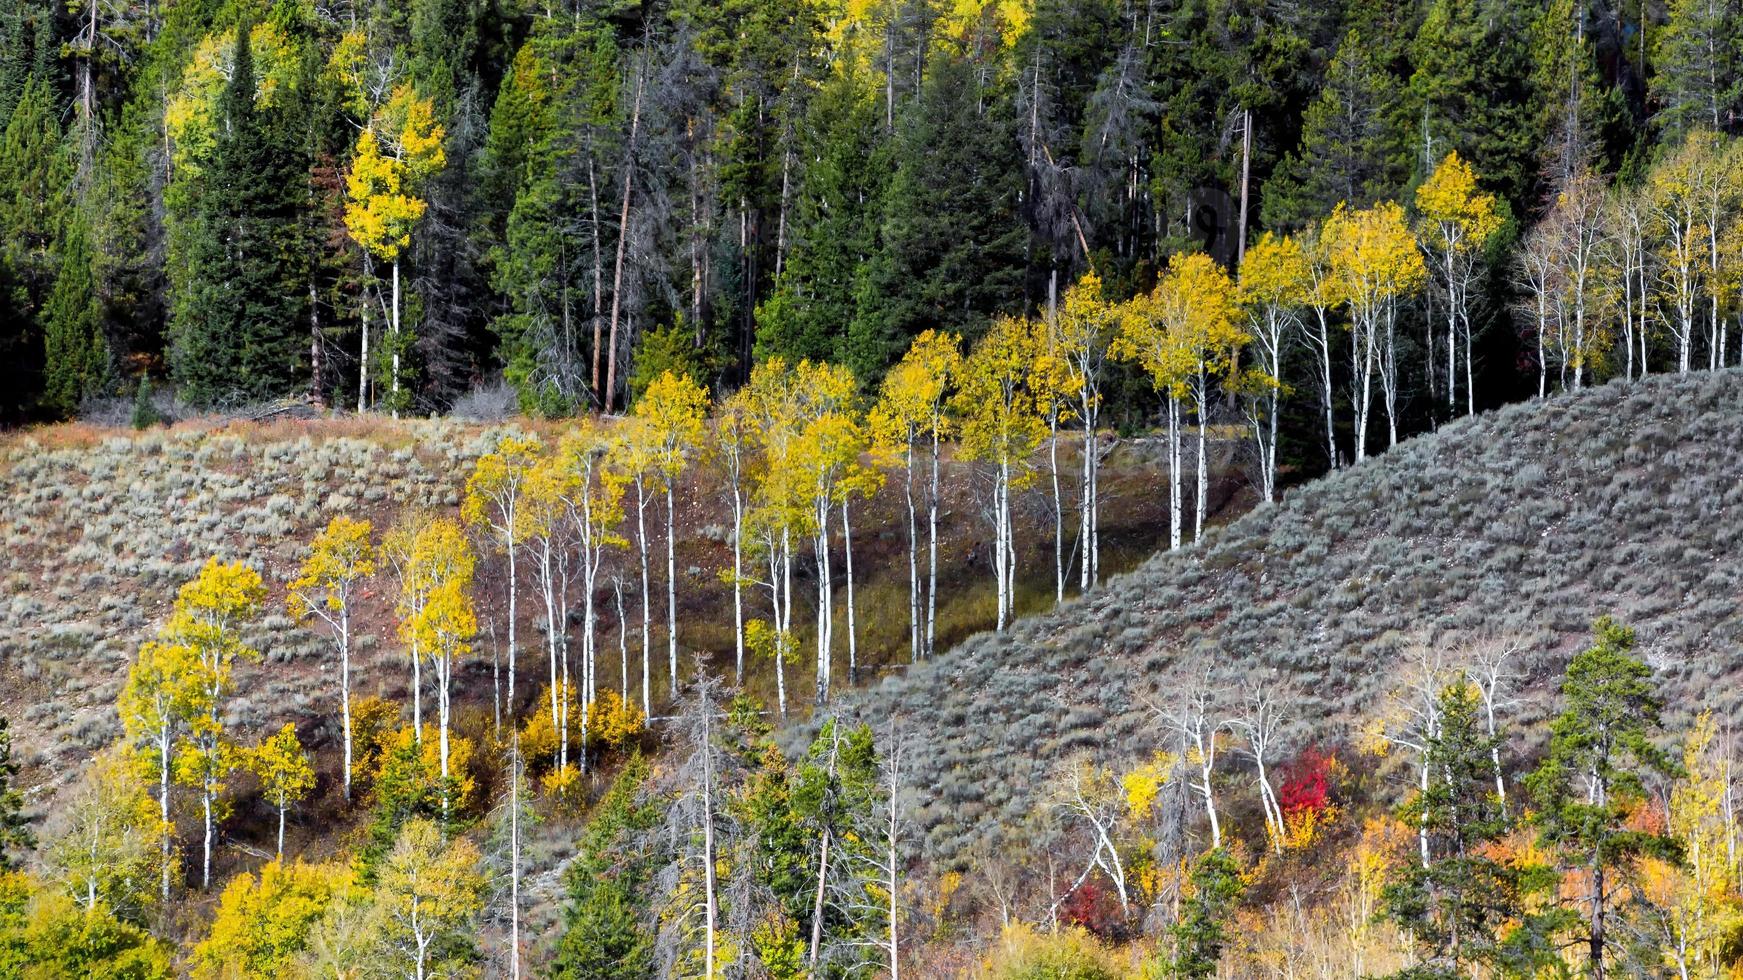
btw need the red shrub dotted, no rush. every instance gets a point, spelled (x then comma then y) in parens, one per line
(1094, 907)
(1306, 784)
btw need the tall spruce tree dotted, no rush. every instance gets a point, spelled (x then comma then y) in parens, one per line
(951, 246)
(239, 321)
(1466, 907)
(75, 356)
(1590, 785)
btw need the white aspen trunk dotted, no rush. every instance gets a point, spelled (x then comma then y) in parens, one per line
(1327, 397)
(417, 695)
(1058, 506)
(913, 559)
(560, 751)
(345, 687)
(647, 612)
(852, 630)
(1389, 375)
(1086, 505)
(165, 746)
(1202, 410)
(444, 674)
(932, 549)
(622, 639)
(1452, 330)
(363, 363)
(513, 598)
(206, 864)
(281, 809)
(394, 380)
(825, 601)
(671, 593)
(1173, 472)
(737, 582)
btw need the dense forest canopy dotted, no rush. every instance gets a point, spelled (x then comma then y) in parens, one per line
(385, 205)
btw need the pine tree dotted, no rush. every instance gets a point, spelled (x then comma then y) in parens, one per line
(237, 330)
(950, 247)
(1593, 780)
(75, 356)
(1697, 63)
(1351, 149)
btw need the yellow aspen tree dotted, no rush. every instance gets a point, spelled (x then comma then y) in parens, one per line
(340, 557)
(264, 921)
(1717, 187)
(779, 507)
(209, 613)
(911, 410)
(595, 509)
(861, 479)
(1678, 227)
(428, 899)
(154, 707)
(631, 460)
(1377, 263)
(1699, 899)
(675, 409)
(1001, 427)
(731, 451)
(493, 501)
(1186, 336)
(1274, 285)
(1457, 222)
(396, 153)
(828, 446)
(1581, 246)
(103, 857)
(285, 775)
(1320, 294)
(1086, 329)
(1626, 223)
(398, 548)
(443, 562)
(545, 496)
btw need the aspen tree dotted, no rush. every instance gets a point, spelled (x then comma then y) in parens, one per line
(911, 410)
(1086, 328)
(1184, 335)
(397, 152)
(674, 409)
(1195, 721)
(1260, 724)
(826, 454)
(1001, 428)
(442, 560)
(493, 501)
(595, 509)
(1717, 187)
(779, 507)
(102, 855)
(1376, 261)
(1537, 271)
(1576, 224)
(1273, 287)
(208, 616)
(284, 772)
(340, 557)
(427, 902)
(631, 459)
(399, 550)
(154, 708)
(1626, 219)
(730, 450)
(1055, 398)
(1673, 188)
(548, 487)
(1321, 296)
(1458, 220)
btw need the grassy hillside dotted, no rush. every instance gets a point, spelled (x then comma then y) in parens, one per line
(103, 526)
(1516, 527)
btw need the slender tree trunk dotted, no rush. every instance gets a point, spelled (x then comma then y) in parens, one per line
(641, 507)
(932, 551)
(1173, 472)
(514, 862)
(671, 592)
(852, 628)
(394, 380)
(913, 559)
(345, 687)
(1058, 507)
(622, 245)
(737, 583)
